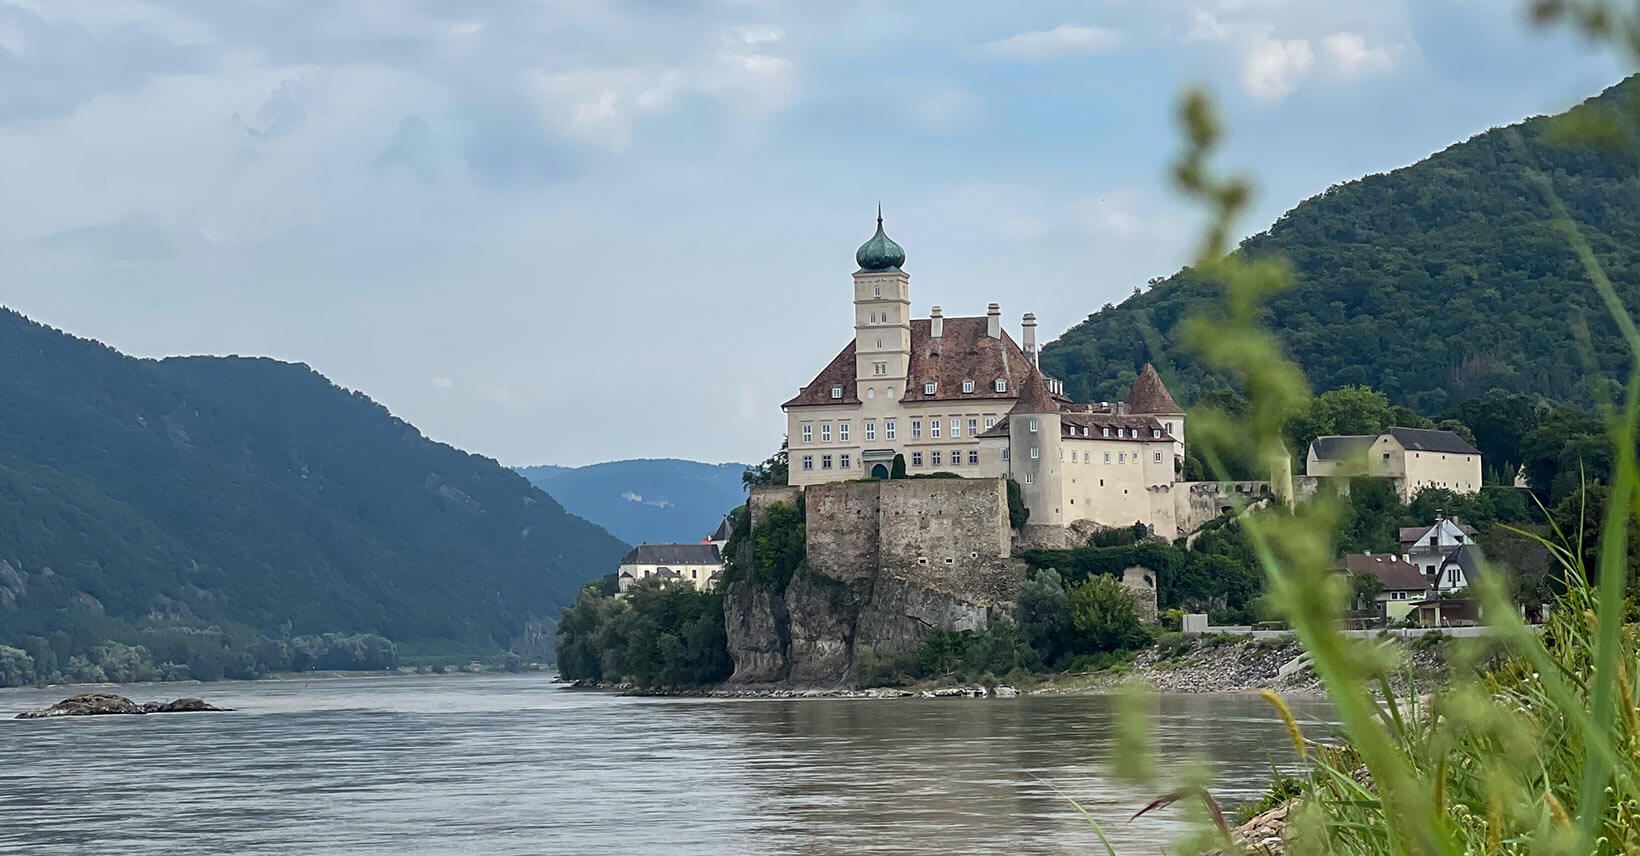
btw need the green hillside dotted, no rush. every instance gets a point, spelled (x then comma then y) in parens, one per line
(257, 493)
(1433, 283)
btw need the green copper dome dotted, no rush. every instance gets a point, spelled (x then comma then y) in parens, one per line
(880, 253)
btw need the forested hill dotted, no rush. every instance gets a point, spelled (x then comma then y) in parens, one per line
(254, 491)
(1432, 283)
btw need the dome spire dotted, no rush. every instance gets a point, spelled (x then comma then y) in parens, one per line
(880, 253)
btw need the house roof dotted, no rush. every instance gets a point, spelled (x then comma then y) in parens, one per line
(1034, 396)
(964, 352)
(1430, 440)
(1338, 447)
(722, 532)
(1392, 573)
(1150, 395)
(1414, 534)
(838, 372)
(673, 554)
(1468, 559)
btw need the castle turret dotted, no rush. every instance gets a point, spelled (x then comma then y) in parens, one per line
(1149, 397)
(1034, 450)
(882, 318)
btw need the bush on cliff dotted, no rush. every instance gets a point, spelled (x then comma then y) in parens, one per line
(1104, 616)
(779, 545)
(1019, 513)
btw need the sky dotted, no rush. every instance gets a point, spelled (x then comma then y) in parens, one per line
(569, 231)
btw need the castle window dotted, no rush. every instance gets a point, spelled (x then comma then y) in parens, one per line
(1121, 457)
(1158, 457)
(825, 433)
(916, 459)
(871, 392)
(1005, 453)
(1168, 426)
(990, 421)
(1155, 432)
(956, 457)
(1002, 386)
(825, 462)
(933, 427)
(808, 462)
(808, 433)
(836, 392)
(888, 429)
(879, 368)
(928, 389)
(843, 462)
(1032, 425)
(916, 429)
(871, 430)
(879, 344)
(934, 458)
(973, 457)
(877, 291)
(891, 392)
(1107, 457)
(956, 427)
(1030, 478)
(842, 432)
(1034, 453)
(967, 386)
(1107, 432)
(973, 427)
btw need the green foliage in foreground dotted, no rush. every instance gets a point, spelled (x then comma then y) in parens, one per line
(656, 636)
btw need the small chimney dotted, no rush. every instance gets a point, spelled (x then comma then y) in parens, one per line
(993, 321)
(936, 323)
(1029, 327)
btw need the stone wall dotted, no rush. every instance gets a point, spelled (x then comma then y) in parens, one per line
(1141, 583)
(844, 528)
(1196, 503)
(763, 496)
(949, 536)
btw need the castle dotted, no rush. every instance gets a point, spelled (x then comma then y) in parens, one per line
(958, 395)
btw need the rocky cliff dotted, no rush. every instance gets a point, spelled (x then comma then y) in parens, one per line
(886, 563)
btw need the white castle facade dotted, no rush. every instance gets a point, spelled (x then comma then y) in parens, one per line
(958, 395)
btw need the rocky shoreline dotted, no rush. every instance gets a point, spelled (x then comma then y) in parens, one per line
(110, 704)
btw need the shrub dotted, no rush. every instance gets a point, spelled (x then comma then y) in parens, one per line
(1104, 616)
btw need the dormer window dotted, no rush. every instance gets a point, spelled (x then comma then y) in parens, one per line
(1107, 432)
(836, 392)
(967, 386)
(928, 389)
(1002, 386)
(1155, 432)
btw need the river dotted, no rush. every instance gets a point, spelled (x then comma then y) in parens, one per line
(513, 764)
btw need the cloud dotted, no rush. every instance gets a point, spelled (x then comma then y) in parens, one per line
(1061, 41)
(1273, 67)
(442, 382)
(1352, 57)
(282, 113)
(1205, 27)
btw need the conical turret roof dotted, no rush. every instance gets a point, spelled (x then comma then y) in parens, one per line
(1150, 395)
(1034, 396)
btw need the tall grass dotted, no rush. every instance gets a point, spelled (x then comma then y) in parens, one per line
(1534, 747)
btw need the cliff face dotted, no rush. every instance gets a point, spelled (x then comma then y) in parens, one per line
(887, 563)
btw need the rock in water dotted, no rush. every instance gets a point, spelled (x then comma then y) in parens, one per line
(86, 704)
(181, 705)
(99, 704)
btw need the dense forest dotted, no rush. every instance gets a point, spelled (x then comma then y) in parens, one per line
(1433, 283)
(255, 497)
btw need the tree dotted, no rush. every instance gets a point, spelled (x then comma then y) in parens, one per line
(897, 471)
(1103, 614)
(1364, 590)
(775, 470)
(1347, 410)
(1043, 611)
(1567, 448)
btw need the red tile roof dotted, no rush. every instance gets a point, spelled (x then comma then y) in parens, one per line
(1150, 395)
(1393, 573)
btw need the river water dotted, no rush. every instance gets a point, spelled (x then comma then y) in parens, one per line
(512, 764)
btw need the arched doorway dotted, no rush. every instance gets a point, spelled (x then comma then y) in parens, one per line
(879, 472)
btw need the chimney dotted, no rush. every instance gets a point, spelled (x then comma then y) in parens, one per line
(1029, 327)
(936, 323)
(993, 321)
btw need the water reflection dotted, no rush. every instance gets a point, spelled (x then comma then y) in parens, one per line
(511, 764)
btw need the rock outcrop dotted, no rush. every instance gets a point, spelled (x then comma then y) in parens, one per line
(102, 704)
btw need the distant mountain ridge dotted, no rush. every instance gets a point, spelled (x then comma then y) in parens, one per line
(256, 491)
(1433, 283)
(659, 500)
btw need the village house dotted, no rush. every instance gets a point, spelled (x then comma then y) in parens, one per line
(1404, 585)
(1414, 458)
(1429, 547)
(958, 395)
(695, 565)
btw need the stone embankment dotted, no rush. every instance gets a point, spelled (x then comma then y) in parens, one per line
(104, 704)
